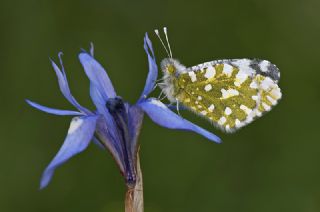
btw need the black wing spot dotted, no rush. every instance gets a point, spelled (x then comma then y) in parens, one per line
(272, 70)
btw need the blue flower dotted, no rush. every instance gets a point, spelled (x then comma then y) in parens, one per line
(115, 124)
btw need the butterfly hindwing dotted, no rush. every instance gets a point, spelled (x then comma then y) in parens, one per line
(230, 93)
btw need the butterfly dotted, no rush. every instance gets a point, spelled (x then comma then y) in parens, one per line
(230, 93)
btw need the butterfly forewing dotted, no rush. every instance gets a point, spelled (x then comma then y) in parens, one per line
(230, 93)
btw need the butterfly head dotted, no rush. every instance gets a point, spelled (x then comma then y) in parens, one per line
(170, 66)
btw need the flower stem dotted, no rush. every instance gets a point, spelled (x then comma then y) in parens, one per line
(134, 195)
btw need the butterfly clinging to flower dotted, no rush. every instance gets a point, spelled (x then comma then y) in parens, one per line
(230, 93)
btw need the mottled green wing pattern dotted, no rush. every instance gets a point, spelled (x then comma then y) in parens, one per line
(229, 93)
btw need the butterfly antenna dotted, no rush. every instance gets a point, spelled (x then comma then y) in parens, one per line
(166, 34)
(164, 46)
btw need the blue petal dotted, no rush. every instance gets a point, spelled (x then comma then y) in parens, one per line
(79, 135)
(100, 104)
(98, 143)
(135, 119)
(52, 110)
(113, 145)
(163, 116)
(97, 75)
(106, 128)
(175, 107)
(64, 87)
(153, 69)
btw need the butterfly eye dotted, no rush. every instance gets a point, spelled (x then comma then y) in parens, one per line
(171, 69)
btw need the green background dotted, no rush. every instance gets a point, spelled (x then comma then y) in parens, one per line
(270, 165)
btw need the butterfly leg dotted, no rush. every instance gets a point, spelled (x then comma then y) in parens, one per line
(157, 84)
(177, 104)
(154, 87)
(160, 95)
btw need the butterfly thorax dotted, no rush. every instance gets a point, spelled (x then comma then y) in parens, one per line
(171, 69)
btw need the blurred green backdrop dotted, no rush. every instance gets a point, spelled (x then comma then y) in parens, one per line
(270, 165)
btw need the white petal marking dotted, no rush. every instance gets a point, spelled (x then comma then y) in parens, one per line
(75, 124)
